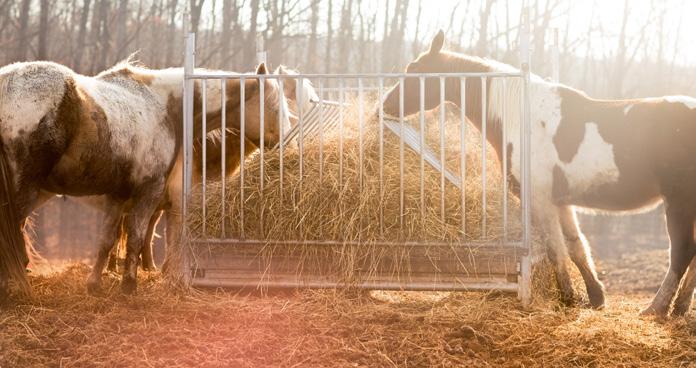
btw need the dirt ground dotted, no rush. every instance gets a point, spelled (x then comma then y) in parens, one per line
(62, 326)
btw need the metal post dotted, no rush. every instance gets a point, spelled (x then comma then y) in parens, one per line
(187, 152)
(189, 62)
(525, 277)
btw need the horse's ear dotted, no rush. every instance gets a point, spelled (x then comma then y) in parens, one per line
(437, 43)
(261, 69)
(280, 69)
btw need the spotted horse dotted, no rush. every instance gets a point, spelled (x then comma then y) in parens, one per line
(607, 155)
(117, 135)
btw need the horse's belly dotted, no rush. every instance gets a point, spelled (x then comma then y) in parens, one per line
(70, 179)
(622, 195)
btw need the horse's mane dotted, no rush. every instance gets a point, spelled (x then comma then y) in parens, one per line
(504, 94)
(130, 64)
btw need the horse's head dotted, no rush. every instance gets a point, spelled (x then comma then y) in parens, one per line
(275, 111)
(290, 91)
(435, 60)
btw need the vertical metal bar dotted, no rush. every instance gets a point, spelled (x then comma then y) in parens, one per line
(462, 148)
(204, 153)
(223, 138)
(262, 122)
(401, 153)
(298, 90)
(242, 136)
(484, 143)
(421, 94)
(524, 281)
(321, 129)
(505, 160)
(187, 129)
(381, 156)
(281, 129)
(342, 98)
(442, 154)
(361, 117)
(187, 135)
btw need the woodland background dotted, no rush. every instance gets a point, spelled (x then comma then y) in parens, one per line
(610, 51)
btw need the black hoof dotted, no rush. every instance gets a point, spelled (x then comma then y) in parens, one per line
(597, 300)
(128, 286)
(681, 309)
(94, 288)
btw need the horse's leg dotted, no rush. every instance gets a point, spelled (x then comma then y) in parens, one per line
(680, 227)
(147, 254)
(110, 232)
(581, 255)
(547, 218)
(172, 253)
(686, 292)
(137, 220)
(116, 248)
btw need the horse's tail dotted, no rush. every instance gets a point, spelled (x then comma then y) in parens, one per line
(13, 253)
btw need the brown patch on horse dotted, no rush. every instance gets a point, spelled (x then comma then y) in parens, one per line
(127, 73)
(567, 140)
(640, 144)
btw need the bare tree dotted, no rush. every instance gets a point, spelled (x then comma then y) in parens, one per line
(79, 50)
(41, 51)
(22, 37)
(312, 43)
(329, 37)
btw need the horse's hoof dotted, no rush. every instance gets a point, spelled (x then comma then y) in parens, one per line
(149, 267)
(652, 311)
(129, 286)
(94, 288)
(681, 309)
(597, 301)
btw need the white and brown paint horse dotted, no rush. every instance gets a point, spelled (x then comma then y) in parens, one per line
(117, 135)
(622, 155)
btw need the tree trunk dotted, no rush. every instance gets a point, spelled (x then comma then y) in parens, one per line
(42, 50)
(482, 44)
(121, 29)
(250, 44)
(171, 33)
(617, 77)
(329, 38)
(22, 39)
(312, 44)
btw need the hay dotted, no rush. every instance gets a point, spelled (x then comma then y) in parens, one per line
(315, 206)
(321, 204)
(62, 326)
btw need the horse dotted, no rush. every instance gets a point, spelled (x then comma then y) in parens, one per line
(605, 155)
(117, 134)
(213, 164)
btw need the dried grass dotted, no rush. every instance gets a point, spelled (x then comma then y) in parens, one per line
(62, 326)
